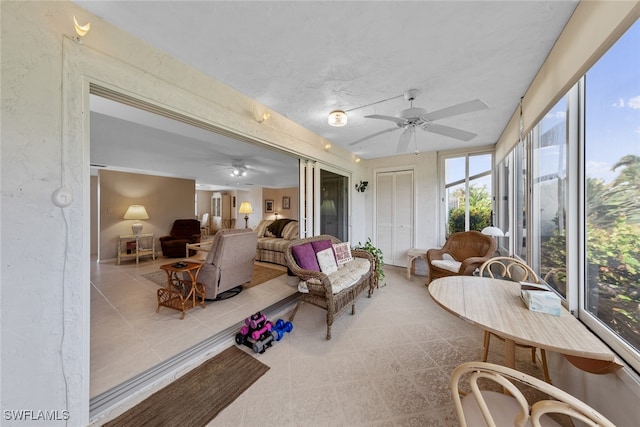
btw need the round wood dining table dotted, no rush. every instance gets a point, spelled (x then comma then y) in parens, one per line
(496, 306)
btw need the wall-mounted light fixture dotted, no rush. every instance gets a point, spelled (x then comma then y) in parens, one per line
(265, 116)
(81, 30)
(327, 146)
(357, 159)
(362, 186)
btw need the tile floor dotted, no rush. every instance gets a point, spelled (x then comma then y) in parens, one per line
(128, 336)
(388, 365)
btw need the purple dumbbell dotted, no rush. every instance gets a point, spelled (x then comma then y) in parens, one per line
(266, 328)
(255, 323)
(254, 316)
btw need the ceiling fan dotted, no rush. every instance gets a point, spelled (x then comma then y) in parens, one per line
(239, 169)
(416, 117)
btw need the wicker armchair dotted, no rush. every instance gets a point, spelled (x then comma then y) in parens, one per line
(320, 286)
(466, 251)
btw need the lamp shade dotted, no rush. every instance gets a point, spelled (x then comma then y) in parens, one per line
(492, 231)
(136, 212)
(337, 118)
(328, 207)
(245, 208)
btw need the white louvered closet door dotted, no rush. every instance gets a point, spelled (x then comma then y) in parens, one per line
(394, 215)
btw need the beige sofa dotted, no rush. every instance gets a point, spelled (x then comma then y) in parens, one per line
(273, 239)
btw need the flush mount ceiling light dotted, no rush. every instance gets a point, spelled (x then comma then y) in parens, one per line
(337, 118)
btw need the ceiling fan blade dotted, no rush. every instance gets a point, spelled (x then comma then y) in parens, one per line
(405, 138)
(454, 110)
(374, 135)
(256, 170)
(398, 120)
(460, 134)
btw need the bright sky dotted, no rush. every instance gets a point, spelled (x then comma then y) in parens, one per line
(613, 106)
(612, 113)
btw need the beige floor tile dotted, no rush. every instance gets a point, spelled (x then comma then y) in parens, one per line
(388, 365)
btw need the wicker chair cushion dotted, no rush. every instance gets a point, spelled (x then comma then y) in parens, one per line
(306, 257)
(346, 276)
(450, 265)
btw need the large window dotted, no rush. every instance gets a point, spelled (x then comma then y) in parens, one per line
(570, 197)
(612, 187)
(468, 192)
(549, 167)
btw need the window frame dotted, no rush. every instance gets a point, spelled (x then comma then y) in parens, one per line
(443, 186)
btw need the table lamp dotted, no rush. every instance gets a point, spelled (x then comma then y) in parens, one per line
(246, 209)
(136, 212)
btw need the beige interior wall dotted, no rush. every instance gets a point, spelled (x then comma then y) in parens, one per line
(276, 194)
(203, 201)
(165, 199)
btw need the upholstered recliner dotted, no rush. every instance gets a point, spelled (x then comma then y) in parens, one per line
(229, 262)
(461, 254)
(183, 232)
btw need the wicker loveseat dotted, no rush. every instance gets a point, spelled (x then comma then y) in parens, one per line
(335, 291)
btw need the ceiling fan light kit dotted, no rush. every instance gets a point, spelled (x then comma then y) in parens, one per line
(337, 118)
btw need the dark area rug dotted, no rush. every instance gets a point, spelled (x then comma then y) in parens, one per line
(261, 274)
(198, 396)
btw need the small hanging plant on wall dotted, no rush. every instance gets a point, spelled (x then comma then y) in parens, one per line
(377, 254)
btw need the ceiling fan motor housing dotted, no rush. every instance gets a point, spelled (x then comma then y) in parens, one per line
(412, 113)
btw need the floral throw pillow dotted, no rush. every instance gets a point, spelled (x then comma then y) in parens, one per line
(343, 253)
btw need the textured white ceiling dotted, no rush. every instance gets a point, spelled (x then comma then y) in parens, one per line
(304, 59)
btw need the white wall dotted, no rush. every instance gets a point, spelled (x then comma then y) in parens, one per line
(426, 196)
(45, 300)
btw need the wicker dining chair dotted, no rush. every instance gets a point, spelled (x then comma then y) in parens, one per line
(483, 407)
(510, 268)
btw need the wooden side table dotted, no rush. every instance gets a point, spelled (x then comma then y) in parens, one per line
(412, 255)
(181, 294)
(142, 245)
(202, 246)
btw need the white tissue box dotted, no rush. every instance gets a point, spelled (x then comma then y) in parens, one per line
(541, 301)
